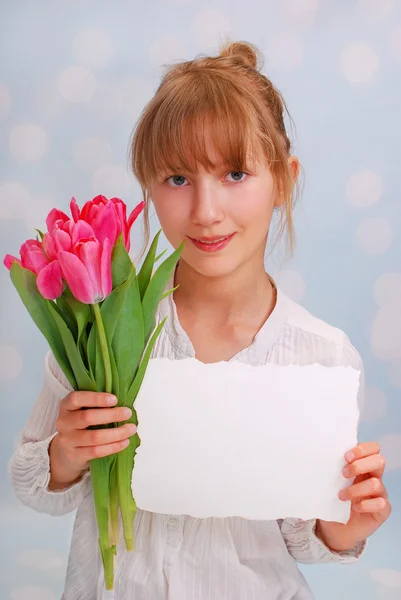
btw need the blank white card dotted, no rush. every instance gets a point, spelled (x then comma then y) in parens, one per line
(229, 439)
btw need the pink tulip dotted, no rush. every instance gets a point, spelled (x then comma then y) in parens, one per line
(33, 258)
(108, 218)
(87, 269)
(56, 218)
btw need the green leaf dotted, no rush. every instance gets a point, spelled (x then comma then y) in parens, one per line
(100, 469)
(112, 306)
(169, 292)
(83, 379)
(156, 289)
(38, 308)
(121, 263)
(148, 264)
(91, 352)
(42, 235)
(68, 316)
(160, 255)
(134, 389)
(82, 312)
(128, 340)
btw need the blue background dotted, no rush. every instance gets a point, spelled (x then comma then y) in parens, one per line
(74, 78)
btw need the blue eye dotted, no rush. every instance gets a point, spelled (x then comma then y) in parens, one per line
(237, 175)
(176, 180)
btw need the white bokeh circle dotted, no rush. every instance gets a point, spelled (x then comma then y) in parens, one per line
(42, 560)
(28, 142)
(211, 27)
(167, 49)
(91, 153)
(386, 577)
(376, 9)
(302, 13)
(111, 181)
(11, 362)
(292, 284)
(284, 51)
(374, 405)
(374, 235)
(390, 446)
(385, 337)
(76, 84)
(364, 189)
(359, 62)
(32, 592)
(394, 372)
(387, 289)
(396, 42)
(106, 102)
(5, 99)
(92, 48)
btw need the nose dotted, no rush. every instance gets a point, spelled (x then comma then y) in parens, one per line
(207, 206)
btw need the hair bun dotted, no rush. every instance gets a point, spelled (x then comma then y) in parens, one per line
(246, 53)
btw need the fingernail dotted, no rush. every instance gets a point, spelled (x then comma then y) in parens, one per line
(346, 471)
(131, 429)
(349, 457)
(111, 399)
(341, 495)
(127, 413)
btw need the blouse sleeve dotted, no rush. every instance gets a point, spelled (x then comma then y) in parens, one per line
(29, 467)
(300, 536)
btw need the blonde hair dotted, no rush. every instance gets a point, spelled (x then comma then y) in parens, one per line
(247, 114)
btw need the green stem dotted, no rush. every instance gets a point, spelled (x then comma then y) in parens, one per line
(103, 347)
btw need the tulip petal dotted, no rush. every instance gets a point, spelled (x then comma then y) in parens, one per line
(35, 261)
(74, 208)
(50, 282)
(106, 224)
(105, 268)
(131, 220)
(76, 275)
(81, 231)
(28, 246)
(89, 252)
(88, 208)
(49, 246)
(62, 240)
(135, 214)
(121, 208)
(53, 216)
(9, 260)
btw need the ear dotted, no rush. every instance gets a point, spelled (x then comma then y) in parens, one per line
(294, 168)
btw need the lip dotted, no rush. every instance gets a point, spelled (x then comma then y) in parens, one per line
(213, 243)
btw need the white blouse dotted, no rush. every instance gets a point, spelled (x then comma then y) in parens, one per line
(183, 558)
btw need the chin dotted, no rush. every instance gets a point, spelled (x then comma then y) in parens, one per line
(213, 266)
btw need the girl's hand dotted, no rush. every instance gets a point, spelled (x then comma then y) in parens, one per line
(370, 506)
(75, 445)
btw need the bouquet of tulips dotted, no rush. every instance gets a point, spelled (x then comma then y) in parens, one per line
(98, 315)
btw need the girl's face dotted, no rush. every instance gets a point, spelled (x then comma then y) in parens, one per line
(223, 215)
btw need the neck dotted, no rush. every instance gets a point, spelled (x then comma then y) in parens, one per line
(248, 290)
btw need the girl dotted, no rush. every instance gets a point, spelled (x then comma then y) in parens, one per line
(212, 153)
